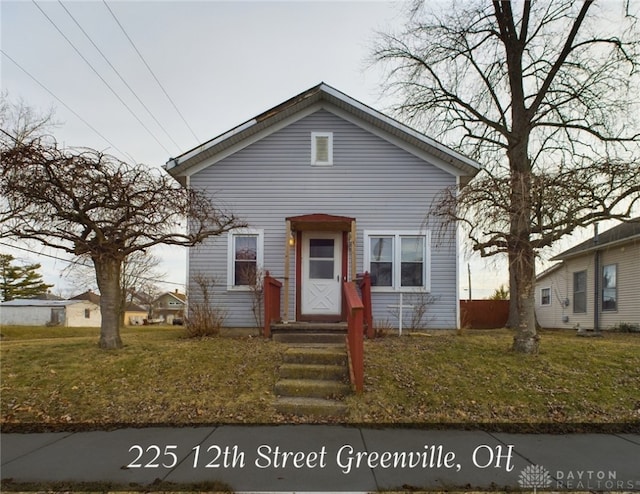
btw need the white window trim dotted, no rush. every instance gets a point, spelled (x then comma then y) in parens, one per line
(397, 234)
(550, 296)
(314, 157)
(231, 253)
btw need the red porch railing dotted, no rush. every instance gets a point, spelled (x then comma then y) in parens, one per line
(271, 302)
(365, 289)
(355, 335)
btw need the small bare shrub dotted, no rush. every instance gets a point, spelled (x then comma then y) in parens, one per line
(204, 317)
(254, 277)
(421, 303)
(382, 328)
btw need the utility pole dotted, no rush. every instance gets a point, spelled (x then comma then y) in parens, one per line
(469, 271)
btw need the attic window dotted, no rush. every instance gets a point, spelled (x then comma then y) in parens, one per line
(322, 148)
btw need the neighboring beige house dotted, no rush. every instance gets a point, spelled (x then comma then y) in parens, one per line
(596, 286)
(169, 306)
(34, 312)
(134, 315)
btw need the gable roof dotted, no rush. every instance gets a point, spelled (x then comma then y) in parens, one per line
(34, 302)
(180, 297)
(320, 96)
(88, 295)
(623, 233)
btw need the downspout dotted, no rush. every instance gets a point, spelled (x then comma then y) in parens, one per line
(596, 282)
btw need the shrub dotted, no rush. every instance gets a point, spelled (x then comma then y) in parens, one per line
(626, 327)
(204, 317)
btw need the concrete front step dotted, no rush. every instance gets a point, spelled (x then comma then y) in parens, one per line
(312, 388)
(310, 406)
(310, 338)
(314, 371)
(316, 355)
(309, 327)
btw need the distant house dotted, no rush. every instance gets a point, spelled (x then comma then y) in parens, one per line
(329, 188)
(596, 285)
(133, 314)
(169, 306)
(34, 312)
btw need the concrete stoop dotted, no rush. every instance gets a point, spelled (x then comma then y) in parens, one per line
(314, 377)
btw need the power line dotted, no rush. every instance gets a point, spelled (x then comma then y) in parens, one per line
(126, 155)
(151, 71)
(76, 263)
(100, 77)
(118, 74)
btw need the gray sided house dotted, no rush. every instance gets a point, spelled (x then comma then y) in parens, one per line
(596, 286)
(330, 188)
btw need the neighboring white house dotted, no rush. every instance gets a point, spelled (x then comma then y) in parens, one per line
(329, 188)
(33, 312)
(597, 284)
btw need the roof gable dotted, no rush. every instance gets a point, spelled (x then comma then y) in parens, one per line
(625, 232)
(180, 297)
(26, 302)
(325, 97)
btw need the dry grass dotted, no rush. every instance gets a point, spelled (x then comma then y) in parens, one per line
(473, 378)
(58, 377)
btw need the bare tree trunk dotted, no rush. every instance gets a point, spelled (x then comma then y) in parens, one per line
(108, 278)
(526, 339)
(521, 253)
(512, 322)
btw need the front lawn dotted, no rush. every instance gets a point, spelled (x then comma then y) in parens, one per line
(58, 378)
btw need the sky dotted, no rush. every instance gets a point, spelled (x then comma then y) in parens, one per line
(147, 81)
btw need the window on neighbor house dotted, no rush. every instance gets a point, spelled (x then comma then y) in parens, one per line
(322, 148)
(610, 287)
(545, 296)
(580, 292)
(245, 258)
(397, 260)
(87, 313)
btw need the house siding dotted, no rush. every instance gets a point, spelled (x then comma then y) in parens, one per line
(626, 257)
(372, 180)
(34, 315)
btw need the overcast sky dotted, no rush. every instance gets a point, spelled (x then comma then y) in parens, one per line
(218, 64)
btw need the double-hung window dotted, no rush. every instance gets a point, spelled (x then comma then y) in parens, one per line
(322, 148)
(545, 297)
(580, 292)
(245, 251)
(398, 260)
(610, 287)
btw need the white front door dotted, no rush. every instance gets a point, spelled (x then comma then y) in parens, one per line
(321, 273)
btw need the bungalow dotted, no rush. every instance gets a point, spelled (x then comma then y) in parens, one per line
(329, 188)
(169, 306)
(596, 285)
(34, 312)
(133, 314)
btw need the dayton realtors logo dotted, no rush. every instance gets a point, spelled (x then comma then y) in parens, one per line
(534, 477)
(538, 477)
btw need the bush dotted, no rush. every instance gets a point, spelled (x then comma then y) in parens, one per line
(204, 317)
(626, 327)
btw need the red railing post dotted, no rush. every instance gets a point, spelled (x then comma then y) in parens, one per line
(365, 289)
(355, 335)
(271, 302)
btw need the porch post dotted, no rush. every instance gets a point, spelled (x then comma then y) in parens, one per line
(287, 263)
(353, 250)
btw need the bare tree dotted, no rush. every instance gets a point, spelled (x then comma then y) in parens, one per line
(139, 275)
(545, 95)
(93, 205)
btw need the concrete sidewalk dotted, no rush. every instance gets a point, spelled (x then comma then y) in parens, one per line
(325, 458)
